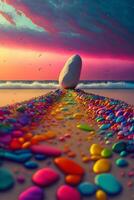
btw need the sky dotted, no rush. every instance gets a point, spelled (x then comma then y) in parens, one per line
(38, 36)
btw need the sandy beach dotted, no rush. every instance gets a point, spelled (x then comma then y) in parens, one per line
(61, 121)
(11, 96)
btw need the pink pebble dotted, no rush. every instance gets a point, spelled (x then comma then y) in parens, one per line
(32, 193)
(46, 149)
(21, 179)
(66, 192)
(61, 139)
(131, 173)
(45, 177)
(67, 135)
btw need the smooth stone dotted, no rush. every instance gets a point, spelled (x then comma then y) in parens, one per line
(102, 165)
(40, 157)
(101, 195)
(66, 192)
(70, 74)
(130, 147)
(32, 193)
(95, 149)
(21, 109)
(20, 158)
(119, 146)
(17, 133)
(46, 150)
(73, 179)
(45, 177)
(123, 153)
(15, 144)
(108, 183)
(69, 166)
(121, 162)
(6, 179)
(85, 127)
(106, 153)
(119, 119)
(5, 139)
(21, 179)
(104, 126)
(77, 115)
(87, 188)
(31, 165)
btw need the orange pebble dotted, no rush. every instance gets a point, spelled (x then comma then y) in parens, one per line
(85, 159)
(28, 136)
(26, 145)
(71, 154)
(95, 157)
(21, 140)
(73, 179)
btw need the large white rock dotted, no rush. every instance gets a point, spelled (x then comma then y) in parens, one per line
(70, 74)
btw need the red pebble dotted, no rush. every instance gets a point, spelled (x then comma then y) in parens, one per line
(15, 144)
(129, 184)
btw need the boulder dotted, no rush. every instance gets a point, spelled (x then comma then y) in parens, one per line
(70, 74)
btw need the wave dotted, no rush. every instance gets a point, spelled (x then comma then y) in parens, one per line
(55, 85)
(107, 85)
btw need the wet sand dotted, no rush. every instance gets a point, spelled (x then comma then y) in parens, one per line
(11, 96)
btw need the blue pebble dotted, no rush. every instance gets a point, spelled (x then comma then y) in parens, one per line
(104, 126)
(130, 148)
(87, 188)
(31, 165)
(17, 158)
(40, 157)
(121, 162)
(108, 183)
(22, 151)
(119, 119)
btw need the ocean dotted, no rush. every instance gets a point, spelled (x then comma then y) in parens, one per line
(50, 84)
(16, 91)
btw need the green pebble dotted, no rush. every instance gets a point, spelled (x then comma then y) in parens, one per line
(21, 109)
(85, 127)
(119, 146)
(6, 179)
(106, 153)
(123, 153)
(109, 135)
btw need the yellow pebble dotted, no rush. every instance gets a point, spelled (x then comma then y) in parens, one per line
(85, 159)
(95, 149)
(102, 165)
(101, 195)
(77, 116)
(59, 117)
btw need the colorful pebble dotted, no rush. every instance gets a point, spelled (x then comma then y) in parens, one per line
(6, 179)
(87, 188)
(66, 192)
(45, 177)
(32, 193)
(69, 166)
(102, 165)
(108, 183)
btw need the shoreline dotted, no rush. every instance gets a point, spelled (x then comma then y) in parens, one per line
(11, 96)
